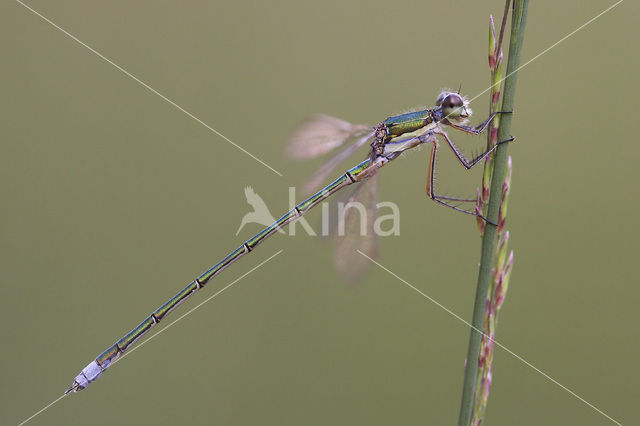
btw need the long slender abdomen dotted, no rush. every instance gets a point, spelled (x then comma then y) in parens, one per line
(93, 371)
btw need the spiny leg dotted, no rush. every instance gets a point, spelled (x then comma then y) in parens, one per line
(439, 198)
(465, 200)
(480, 127)
(467, 164)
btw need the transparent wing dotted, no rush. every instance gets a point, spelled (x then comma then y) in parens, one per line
(320, 134)
(355, 231)
(323, 173)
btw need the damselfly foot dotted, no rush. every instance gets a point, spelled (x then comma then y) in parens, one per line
(509, 139)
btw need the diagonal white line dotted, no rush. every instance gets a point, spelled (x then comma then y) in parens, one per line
(151, 89)
(190, 311)
(165, 328)
(42, 410)
(547, 49)
(543, 52)
(510, 352)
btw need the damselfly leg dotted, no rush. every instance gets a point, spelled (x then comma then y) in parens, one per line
(480, 127)
(467, 164)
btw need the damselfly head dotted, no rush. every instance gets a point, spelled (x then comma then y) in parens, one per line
(455, 107)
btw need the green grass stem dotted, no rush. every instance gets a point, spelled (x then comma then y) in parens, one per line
(518, 20)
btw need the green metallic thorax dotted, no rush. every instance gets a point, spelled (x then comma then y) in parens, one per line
(407, 123)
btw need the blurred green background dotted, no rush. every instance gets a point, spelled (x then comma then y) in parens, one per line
(112, 200)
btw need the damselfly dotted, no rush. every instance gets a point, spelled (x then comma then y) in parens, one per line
(388, 140)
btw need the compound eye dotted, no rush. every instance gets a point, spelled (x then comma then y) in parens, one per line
(453, 105)
(454, 101)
